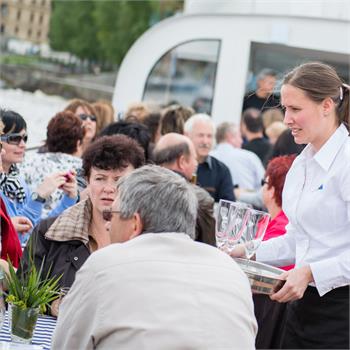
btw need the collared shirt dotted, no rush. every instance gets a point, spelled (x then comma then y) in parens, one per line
(245, 167)
(316, 200)
(215, 177)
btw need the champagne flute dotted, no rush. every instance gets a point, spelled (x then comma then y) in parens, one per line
(222, 225)
(255, 231)
(239, 216)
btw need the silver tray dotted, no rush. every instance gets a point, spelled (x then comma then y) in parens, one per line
(263, 278)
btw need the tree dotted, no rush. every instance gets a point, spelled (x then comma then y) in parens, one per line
(73, 29)
(103, 31)
(120, 24)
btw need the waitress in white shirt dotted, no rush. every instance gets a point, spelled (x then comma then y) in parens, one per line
(316, 200)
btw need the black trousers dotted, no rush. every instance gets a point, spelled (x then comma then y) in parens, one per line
(315, 322)
(270, 316)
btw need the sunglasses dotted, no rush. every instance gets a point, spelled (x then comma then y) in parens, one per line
(108, 214)
(14, 139)
(264, 182)
(86, 116)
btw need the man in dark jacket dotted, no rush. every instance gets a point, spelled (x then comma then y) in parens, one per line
(176, 152)
(212, 175)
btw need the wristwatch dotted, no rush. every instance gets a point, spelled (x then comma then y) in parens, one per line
(35, 197)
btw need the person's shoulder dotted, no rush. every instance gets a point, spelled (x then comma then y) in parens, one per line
(220, 167)
(249, 95)
(217, 163)
(45, 224)
(346, 147)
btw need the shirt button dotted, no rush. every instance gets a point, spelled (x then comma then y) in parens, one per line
(75, 258)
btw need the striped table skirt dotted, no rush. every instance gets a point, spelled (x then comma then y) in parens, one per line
(42, 334)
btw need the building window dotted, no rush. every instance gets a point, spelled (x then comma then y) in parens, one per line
(18, 14)
(29, 33)
(43, 2)
(16, 30)
(31, 17)
(38, 34)
(4, 10)
(41, 19)
(2, 29)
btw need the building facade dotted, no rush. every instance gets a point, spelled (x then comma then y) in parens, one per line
(27, 20)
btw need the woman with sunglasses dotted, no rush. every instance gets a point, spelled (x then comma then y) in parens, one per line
(18, 198)
(66, 243)
(9, 245)
(86, 112)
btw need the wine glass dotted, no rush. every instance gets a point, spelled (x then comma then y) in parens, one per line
(222, 225)
(239, 216)
(255, 231)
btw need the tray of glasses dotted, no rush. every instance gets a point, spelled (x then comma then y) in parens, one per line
(263, 278)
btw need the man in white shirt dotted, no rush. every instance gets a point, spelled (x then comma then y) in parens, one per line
(156, 288)
(245, 166)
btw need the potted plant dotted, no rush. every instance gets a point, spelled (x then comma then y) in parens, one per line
(28, 295)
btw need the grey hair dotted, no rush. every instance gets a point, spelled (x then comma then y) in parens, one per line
(266, 72)
(198, 117)
(223, 129)
(164, 200)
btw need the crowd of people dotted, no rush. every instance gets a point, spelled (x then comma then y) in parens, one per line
(123, 210)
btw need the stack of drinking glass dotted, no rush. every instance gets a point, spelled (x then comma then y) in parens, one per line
(239, 224)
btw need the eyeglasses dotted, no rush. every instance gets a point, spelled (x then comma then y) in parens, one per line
(86, 116)
(14, 139)
(264, 182)
(108, 214)
(0, 146)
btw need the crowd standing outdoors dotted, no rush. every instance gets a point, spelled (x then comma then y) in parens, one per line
(88, 208)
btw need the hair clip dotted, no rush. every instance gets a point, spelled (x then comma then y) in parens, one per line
(341, 93)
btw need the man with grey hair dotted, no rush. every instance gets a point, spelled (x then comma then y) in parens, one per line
(246, 168)
(156, 288)
(263, 98)
(212, 175)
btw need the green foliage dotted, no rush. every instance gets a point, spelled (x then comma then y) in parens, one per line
(73, 29)
(102, 30)
(18, 59)
(31, 290)
(119, 25)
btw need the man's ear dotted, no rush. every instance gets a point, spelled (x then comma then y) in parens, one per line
(181, 162)
(137, 226)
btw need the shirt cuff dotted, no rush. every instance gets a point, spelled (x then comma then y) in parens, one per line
(327, 275)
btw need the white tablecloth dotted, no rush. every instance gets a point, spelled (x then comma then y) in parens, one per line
(42, 334)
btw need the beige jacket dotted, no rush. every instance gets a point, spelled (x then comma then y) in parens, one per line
(158, 291)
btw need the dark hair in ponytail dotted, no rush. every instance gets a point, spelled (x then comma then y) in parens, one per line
(319, 81)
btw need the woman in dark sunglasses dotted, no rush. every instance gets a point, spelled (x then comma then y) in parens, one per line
(86, 112)
(18, 198)
(10, 246)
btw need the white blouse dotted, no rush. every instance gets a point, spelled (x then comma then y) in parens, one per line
(316, 200)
